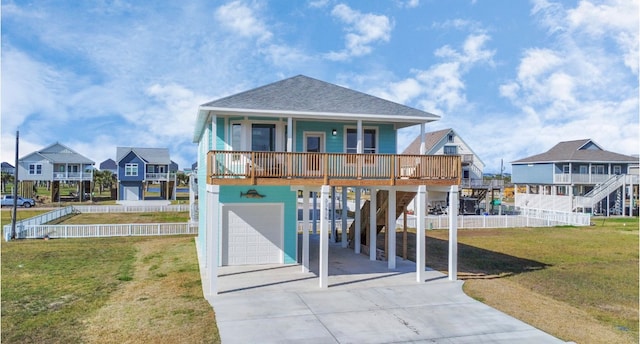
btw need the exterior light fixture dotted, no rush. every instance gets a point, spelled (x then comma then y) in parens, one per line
(334, 132)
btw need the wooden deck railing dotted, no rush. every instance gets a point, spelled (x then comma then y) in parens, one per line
(339, 169)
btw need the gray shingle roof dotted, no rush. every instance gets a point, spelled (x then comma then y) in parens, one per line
(149, 155)
(571, 151)
(430, 140)
(304, 94)
(58, 153)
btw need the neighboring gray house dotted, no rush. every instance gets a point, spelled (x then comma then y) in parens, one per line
(109, 165)
(57, 163)
(578, 176)
(8, 168)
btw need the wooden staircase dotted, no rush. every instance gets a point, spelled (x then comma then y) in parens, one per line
(403, 198)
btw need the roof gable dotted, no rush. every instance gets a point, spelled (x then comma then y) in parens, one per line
(431, 139)
(61, 154)
(584, 150)
(158, 156)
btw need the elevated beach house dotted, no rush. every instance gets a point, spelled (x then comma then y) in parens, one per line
(139, 168)
(259, 149)
(57, 164)
(578, 176)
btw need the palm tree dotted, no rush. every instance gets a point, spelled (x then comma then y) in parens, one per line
(6, 179)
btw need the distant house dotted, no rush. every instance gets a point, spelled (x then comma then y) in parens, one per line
(109, 165)
(57, 163)
(473, 188)
(138, 167)
(8, 168)
(578, 176)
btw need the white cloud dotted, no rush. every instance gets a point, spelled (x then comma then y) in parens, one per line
(241, 19)
(580, 85)
(363, 30)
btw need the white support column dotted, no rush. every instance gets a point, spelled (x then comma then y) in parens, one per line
(289, 134)
(324, 240)
(423, 148)
(345, 209)
(624, 197)
(213, 230)
(358, 221)
(305, 230)
(391, 228)
(334, 232)
(314, 213)
(360, 144)
(420, 203)
(453, 233)
(373, 226)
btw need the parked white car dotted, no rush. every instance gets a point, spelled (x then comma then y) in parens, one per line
(7, 201)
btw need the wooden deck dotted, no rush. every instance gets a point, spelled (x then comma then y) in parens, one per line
(335, 169)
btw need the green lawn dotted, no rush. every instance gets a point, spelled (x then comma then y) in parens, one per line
(594, 268)
(52, 289)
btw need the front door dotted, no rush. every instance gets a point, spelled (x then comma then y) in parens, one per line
(314, 143)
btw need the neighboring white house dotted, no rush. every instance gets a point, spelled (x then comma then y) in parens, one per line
(473, 190)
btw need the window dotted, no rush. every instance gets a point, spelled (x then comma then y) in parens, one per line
(263, 137)
(617, 169)
(597, 169)
(236, 137)
(565, 169)
(368, 140)
(131, 170)
(583, 169)
(450, 150)
(450, 138)
(35, 169)
(561, 190)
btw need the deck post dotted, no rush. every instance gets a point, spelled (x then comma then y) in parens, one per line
(373, 226)
(453, 233)
(324, 240)
(358, 221)
(420, 206)
(334, 231)
(305, 230)
(391, 228)
(345, 210)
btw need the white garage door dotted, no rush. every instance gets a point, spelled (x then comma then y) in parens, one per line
(252, 234)
(131, 193)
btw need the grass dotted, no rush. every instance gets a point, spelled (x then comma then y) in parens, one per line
(104, 290)
(114, 218)
(567, 281)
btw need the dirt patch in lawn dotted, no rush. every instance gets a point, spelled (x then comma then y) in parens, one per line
(162, 303)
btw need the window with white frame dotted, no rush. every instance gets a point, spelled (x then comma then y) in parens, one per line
(35, 169)
(131, 170)
(450, 150)
(584, 169)
(597, 169)
(566, 169)
(617, 169)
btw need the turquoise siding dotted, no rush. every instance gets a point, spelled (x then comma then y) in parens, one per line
(335, 144)
(273, 194)
(532, 174)
(220, 144)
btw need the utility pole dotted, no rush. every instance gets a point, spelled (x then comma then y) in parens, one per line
(15, 190)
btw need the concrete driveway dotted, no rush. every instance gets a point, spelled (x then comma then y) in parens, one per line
(365, 303)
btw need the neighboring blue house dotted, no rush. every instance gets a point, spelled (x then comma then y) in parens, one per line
(578, 176)
(140, 167)
(259, 148)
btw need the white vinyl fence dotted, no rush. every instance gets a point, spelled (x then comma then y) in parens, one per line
(107, 230)
(35, 227)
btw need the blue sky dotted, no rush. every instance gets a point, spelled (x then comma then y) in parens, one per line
(512, 78)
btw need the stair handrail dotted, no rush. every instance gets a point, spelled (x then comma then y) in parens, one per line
(604, 186)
